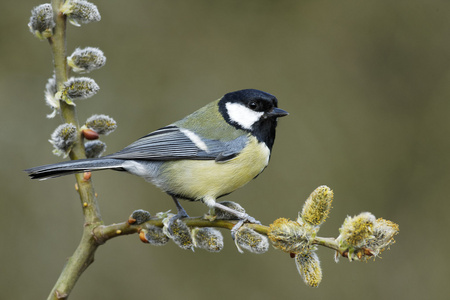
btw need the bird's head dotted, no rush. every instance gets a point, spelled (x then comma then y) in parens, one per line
(253, 111)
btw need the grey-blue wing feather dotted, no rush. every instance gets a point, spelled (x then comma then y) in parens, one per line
(231, 149)
(169, 143)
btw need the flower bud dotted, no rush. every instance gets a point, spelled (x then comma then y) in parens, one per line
(317, 206)
(77, 88)
(383, 236)
(251, 240)
(224, 215)
(94, 149)
(308, 265)
(207, 238)
(63, 139)
(155, 236)
(291, 236)
(140, 216)
(355, 231)
(80, 11)
(179, 232)
(101, 124)
(41, 21)
(86, 60)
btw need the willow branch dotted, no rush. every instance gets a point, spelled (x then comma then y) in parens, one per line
(84, 254)
(103, 233)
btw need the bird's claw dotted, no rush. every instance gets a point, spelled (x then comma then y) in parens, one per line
(246, 219)
(180, 215)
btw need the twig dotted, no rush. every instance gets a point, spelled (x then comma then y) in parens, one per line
(104, 233)
(84, 254)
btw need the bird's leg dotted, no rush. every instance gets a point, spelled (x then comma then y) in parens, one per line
(181, 213)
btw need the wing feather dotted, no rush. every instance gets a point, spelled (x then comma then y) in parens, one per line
(170, 143)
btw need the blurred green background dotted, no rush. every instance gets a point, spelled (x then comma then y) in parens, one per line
(367, 87)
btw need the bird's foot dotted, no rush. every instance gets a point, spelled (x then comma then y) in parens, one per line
(180, 215)
(242, 221)
(240, 214)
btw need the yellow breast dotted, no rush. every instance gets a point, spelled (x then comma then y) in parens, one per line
(197, 179)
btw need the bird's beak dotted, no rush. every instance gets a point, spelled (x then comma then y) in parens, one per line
(277, 113)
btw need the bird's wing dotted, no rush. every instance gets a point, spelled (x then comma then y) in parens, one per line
(173, 143)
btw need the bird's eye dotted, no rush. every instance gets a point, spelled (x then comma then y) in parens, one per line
(252, 105)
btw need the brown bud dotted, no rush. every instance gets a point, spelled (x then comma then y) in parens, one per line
(142, 236)
(90, 134)
(87, 176)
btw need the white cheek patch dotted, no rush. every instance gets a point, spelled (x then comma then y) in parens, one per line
(195, 139)
(242, 115)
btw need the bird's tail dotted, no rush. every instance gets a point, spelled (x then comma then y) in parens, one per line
(75, 166)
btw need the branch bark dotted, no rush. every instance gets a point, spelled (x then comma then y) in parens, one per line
(84, 254)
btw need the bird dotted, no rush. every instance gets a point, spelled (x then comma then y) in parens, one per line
(202, 157)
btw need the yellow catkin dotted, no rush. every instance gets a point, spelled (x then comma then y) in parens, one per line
(181, 235)
(308, 265)
(207, 238)
(355, 231)
(290, 236)
(318, 205)
(382, 236)
(251, 240)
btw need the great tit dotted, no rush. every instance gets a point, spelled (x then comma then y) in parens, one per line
(208, 154)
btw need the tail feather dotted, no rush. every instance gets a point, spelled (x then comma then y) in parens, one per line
(75, 166)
